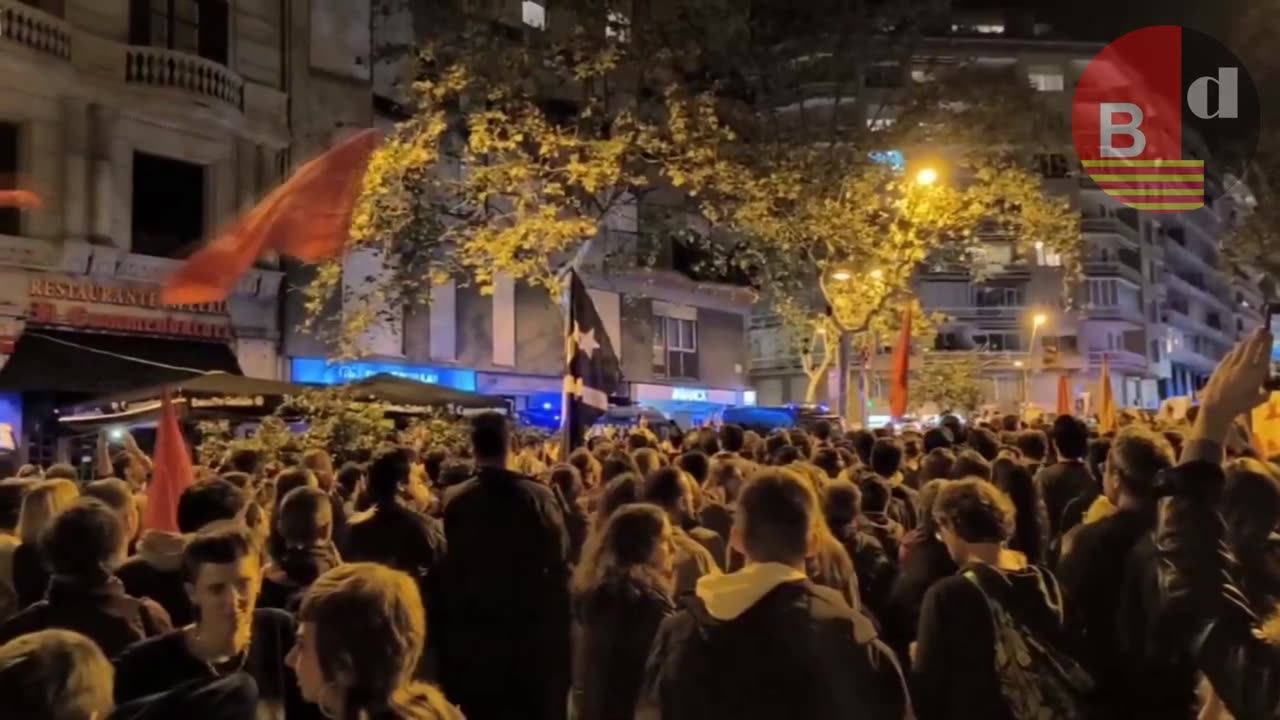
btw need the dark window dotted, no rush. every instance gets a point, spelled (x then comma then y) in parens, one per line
(140, 22)
(888, 75)
(10, 218)
(214, 30)
(168, 206)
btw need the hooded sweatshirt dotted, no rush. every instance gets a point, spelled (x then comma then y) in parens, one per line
(156, 573)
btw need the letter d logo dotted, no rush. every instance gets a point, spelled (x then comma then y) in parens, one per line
(1228, 82)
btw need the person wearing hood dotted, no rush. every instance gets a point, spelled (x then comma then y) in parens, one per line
(765, 642)
(156, 571)
(83, 544)
(621, 592)
(306, 548)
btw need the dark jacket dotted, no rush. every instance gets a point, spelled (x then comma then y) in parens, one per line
(1213, 617)
(101, 612)
(163, 662)
(396, 536)
(925, 561)
(504, 603)
(30, 578)
(797, 652)
(616, 626)
(1107, 579)
(953, 676)
(287, 579)
(1059, 484)
(876, 571)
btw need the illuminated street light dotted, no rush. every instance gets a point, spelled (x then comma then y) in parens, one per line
(1039, 320)
(926, 176)
(877, 274)
(1017, 363)
(842, 276)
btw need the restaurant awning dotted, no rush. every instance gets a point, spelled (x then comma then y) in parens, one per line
(215, 394)
(46, 360)
(404, 392)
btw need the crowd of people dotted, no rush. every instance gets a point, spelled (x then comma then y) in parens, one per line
(1002, 571)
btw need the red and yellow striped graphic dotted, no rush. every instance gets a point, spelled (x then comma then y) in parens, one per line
(1155, 185)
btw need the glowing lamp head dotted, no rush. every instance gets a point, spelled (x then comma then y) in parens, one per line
(926, 176)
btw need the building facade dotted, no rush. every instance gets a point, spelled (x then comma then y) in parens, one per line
(1154, 300)
(143, 126)
(681, 342)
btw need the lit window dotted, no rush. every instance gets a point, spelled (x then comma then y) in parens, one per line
(921, 76)
(534, 14)
(880, 123)
(1047, 81)
(989, 29)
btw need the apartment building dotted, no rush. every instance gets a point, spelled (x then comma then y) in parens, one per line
(681, 339)
(1154, 299)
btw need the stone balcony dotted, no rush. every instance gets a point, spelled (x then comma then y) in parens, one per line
(34, 36)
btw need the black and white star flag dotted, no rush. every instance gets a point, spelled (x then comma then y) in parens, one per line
(592, 372)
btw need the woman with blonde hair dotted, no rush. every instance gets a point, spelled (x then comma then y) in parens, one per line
(621, 592)
(55, 674)
(40, 505)
(360, 636)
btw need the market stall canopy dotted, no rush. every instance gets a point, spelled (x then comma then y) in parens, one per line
(406, 393)
(211, 394)
(46, 360)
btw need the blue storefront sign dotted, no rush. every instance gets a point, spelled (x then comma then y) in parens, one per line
(318, 371)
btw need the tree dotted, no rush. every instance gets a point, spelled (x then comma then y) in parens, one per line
(743, 131)
(951, 385)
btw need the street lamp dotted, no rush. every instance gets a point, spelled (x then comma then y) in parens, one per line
(926, 176)
(1036, 321)
(842, 276)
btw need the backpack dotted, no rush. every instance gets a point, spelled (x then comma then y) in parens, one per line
(1037, 680)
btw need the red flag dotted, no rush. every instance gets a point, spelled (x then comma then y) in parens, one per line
(170, 474)
(898, 396)
(308, 218)
(1064, 395)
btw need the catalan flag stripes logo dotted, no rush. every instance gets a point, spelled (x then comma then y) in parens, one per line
(1154, 185)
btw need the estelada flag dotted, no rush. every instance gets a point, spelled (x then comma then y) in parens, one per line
(1064, 395)
(171, 472)
(1107, 401)
(308, 217)
(899, 395)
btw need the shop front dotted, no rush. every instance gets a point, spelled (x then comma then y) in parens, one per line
(64, 339)
(320, 371)
(689, 406)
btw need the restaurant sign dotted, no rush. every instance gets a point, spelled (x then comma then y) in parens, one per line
(129, 309)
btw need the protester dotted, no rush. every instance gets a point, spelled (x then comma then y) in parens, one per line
(390, 532)
(567, 482)
(320, 463)
(41, 504)
(924, 561)
(81, 547)
(622, 591)
(1069, 478)
(54, 675)
(886, 463)
(765, 642)
(505, 615)
(11, 492)
(874, 519)
(874, 569)
(693, 559)
(1251, 509)
(1105, 568)
(936, 465)
(306, 532)
(156, 571)
(118, 495)
(361, 633)
(990, 638)
(969, 464)
(1034, 447)
(228, 636)
(1031, 531)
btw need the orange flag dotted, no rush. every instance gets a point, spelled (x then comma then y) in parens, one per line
(22, 199)
(1107, 401)
(308, 217)
(171, 472)
(898, 394)
(1064, 395)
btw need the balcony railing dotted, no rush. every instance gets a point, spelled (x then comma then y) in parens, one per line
(1110, 226)
(1123, 359)
(159, 67)
(24, 25)
(1111, 267)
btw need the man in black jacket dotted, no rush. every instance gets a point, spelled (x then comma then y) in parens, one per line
(764, 642)
(504, 636)
(1068, 478)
